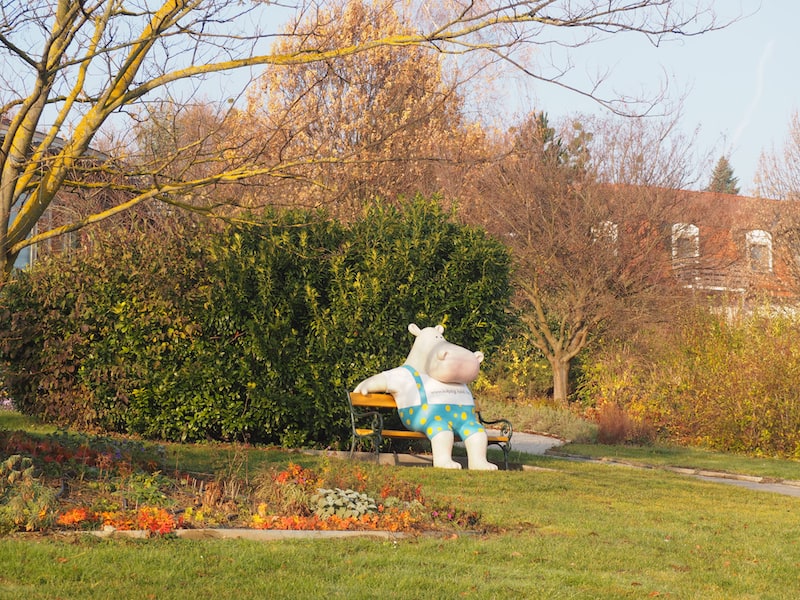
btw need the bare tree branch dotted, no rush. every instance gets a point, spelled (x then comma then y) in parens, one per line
(72, 68)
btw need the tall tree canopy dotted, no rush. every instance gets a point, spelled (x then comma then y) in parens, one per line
(388, 121)
(588, 253)
(72, 68)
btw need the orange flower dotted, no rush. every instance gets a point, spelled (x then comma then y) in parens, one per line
(155, 520)
(121, 521)
(75, 516)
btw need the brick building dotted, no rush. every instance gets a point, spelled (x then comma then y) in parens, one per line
(736, 246)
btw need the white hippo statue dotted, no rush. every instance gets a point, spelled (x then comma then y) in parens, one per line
(432, 396)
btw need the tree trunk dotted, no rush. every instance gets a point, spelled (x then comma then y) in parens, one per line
(560, 379)
(6, 269)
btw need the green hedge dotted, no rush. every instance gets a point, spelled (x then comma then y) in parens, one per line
(82, 335)
(249, 333)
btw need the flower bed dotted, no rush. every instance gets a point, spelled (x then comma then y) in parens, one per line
(74, 482)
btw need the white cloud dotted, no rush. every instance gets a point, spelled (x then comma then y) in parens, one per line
(766, 54)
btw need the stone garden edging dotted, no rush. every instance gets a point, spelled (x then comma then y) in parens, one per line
(246, 534)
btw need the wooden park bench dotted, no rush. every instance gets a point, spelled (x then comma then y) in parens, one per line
(366, 417)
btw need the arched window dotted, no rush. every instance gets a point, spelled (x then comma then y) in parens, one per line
(685, 241)
(759, 250)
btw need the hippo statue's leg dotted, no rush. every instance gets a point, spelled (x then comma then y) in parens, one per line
(442, 447)
(476, 445)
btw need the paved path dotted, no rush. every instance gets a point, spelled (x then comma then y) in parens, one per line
(787, 488)
(531, 443)
(536, 444)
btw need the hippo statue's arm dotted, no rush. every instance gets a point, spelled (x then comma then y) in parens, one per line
(376, 383)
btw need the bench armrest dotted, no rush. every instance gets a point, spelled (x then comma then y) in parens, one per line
(370, 420)
(504, 425)
(372, 417)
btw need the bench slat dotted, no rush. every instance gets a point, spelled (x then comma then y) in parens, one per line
(395, 433)
(405, 433)
(373, 400)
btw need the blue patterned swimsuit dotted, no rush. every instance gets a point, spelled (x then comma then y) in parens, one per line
(433, 418)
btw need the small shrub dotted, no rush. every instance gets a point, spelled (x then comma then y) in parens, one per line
(289, 491)
(15, 469)
(616, 426)
(342, 503)
(516, 370)
(144, 489)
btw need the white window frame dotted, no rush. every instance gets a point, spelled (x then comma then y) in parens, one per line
(758, 238)
(689, 232)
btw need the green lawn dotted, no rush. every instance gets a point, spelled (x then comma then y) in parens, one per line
(562, 529)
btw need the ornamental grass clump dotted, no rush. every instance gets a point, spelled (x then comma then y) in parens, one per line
(25, 503)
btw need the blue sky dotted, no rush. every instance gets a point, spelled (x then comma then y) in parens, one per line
(740, 84)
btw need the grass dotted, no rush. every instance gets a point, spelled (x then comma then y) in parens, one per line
(535, 415)
(12, 420)
(560, 529)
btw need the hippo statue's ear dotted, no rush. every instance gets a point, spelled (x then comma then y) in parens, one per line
(479, 355)
(413, 329)
(440, 328)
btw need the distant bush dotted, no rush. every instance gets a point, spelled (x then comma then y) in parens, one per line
(246, 333)
(727, 384)
(517, 371)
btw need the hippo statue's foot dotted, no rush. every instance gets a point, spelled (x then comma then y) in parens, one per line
(442, 447)
(476, 445)
(482, 466)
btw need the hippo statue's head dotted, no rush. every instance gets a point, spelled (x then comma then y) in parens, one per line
(445, 362)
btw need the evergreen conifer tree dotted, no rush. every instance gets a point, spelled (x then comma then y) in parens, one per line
(722, 179)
